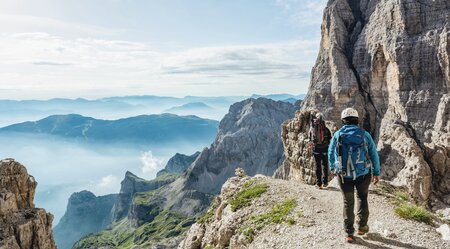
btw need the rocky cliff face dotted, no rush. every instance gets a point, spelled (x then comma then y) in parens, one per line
(389, 60)
(130, 185)
(88, 214)
(22, 226)
(299, 161)
(179, 163)
(248, 137)
(85, 214)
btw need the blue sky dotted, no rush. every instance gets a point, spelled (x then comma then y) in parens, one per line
(96, 48)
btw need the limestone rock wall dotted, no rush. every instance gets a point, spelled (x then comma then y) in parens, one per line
(299, 162)
(22, 226)
(390, 60)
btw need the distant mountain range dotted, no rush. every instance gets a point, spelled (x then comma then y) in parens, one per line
(148, 129)
(16, 111)
(192, 106)
(279, 97)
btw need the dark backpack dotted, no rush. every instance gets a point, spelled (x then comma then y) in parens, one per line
(318, 133)
(352, 152)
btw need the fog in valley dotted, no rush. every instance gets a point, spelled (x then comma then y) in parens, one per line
(63, 166)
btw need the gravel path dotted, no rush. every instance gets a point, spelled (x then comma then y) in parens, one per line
(321, 225)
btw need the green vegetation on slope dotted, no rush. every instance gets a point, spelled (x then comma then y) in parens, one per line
(250, 191)
(208, 215)
(278, 214)
(167, 224)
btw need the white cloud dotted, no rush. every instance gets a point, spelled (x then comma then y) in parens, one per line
(40, 65)
(267, 60)
(150, 163)
(107, 185)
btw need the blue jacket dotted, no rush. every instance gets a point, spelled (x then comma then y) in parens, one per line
(372, 149)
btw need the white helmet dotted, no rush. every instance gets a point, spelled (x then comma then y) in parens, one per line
(349, 112)
(319, 116)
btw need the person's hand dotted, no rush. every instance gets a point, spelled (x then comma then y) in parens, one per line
(375, 180)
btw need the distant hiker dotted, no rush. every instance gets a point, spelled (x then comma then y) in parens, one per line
(320, 137)
(353, 157)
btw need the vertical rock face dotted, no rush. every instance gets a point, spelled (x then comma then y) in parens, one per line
(390, 60)
(85, 214)
(22, 226)
(130, 185)
(299, 162)
(248, 138)
(179, 163)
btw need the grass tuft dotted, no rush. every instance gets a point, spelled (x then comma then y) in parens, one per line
(249, 192)
(249, 234)
(402, 196)
(278, 213)
(413, 212)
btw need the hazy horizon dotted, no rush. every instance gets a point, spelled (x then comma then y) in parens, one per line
(93, 49)
(151, 95)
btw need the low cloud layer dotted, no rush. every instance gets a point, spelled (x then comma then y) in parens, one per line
(62, 167)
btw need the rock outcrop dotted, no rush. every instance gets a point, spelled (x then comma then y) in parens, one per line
(132, 184)
(179, 163)
(22, 226)
(299, 161)
(85, 214)
(248, 138)
(390, 60)
(292, 214)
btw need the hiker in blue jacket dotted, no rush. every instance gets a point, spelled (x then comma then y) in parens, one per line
(353, 156)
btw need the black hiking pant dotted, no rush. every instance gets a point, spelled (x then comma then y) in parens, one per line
(362, 191)
(321, 158)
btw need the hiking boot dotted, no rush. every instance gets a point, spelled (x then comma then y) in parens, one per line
(319, 186)
(324, 186)
(349, 238)
(363, 230)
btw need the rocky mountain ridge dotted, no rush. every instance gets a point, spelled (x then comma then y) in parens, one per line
(22, 225)
(389, 60)
(144, 129)
(248, 137)
(85, 213)
(179, 163)
(88, 214)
